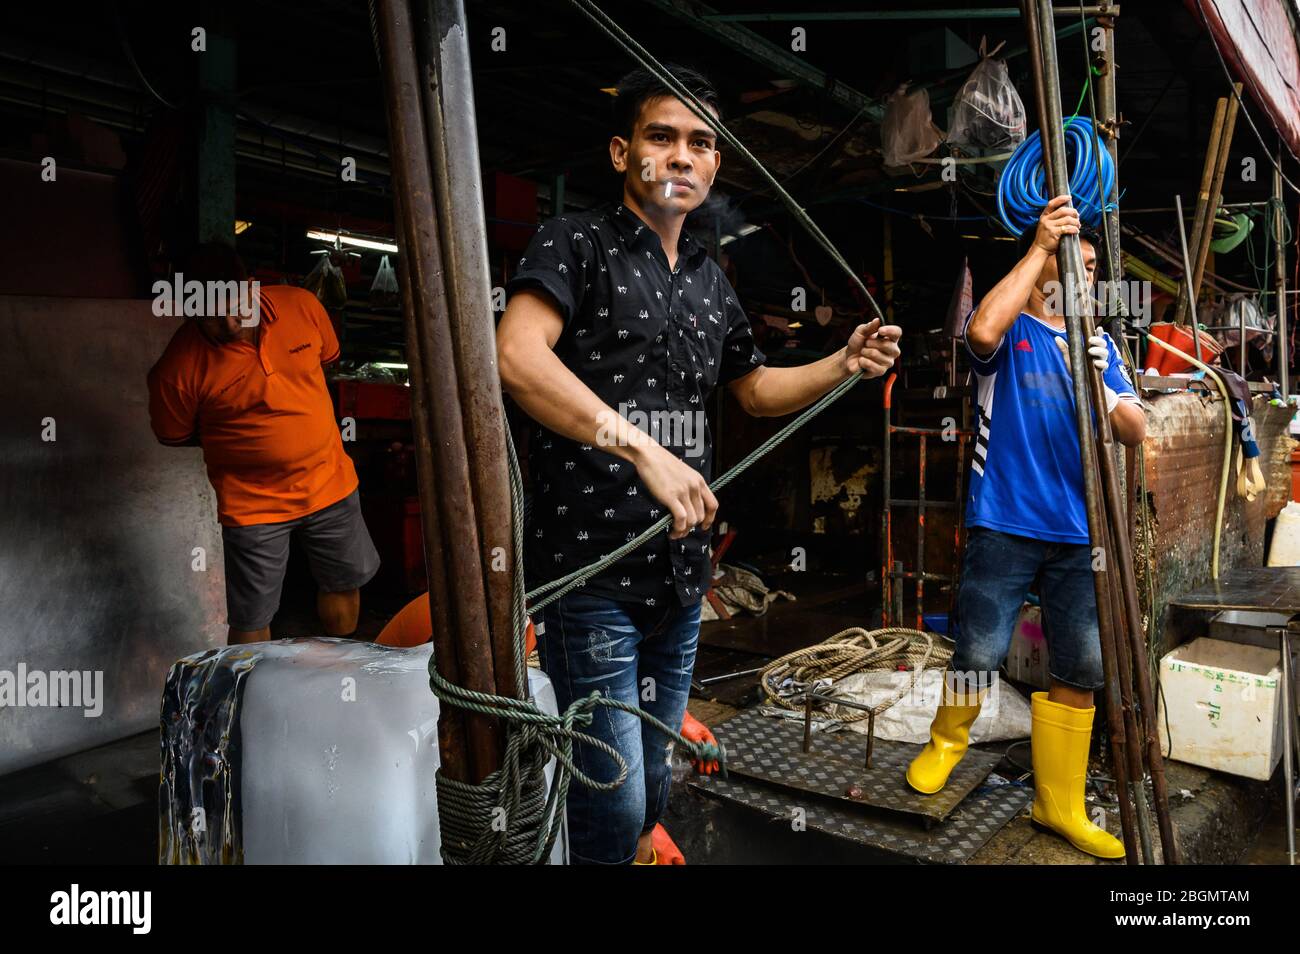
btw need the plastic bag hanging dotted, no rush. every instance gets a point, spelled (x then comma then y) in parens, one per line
(326, 282)
(988, 113)
(908, 132)
(383, 290)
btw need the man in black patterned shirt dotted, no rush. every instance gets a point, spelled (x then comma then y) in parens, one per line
(618, 328)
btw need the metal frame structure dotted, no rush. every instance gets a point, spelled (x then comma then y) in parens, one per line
(892, 574)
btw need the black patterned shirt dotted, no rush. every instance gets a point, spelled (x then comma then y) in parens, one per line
(652, 343)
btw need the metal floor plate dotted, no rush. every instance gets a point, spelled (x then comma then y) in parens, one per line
(771, 750)
(953, 841)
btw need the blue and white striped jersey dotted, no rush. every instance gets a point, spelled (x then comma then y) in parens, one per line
(1026, 476)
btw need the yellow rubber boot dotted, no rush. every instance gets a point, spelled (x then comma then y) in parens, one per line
(949, 736)
(1060, 755)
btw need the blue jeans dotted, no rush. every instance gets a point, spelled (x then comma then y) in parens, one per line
(639, 655)
(996, 574)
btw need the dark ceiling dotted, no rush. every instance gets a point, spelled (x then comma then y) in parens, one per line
(309, 92)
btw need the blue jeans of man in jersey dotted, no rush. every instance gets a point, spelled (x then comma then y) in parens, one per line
(997, 571)
(640, 655)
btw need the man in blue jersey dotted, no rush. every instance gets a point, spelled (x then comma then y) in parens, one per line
(1026, 521)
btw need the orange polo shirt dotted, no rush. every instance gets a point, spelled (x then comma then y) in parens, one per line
(260, 410)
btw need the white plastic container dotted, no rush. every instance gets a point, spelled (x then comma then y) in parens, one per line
(1285, 548)
(1219, 706)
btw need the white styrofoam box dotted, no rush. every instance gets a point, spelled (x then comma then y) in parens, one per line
(1027, 657)
(1220, 702)
(1285, 548)
(307, 751)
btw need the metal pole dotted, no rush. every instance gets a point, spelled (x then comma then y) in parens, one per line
(1288, 726)
(1078, 305)
(920, 537)
(448, 97)
(887, 581)
(446, 503)
(1242, 345)
(1282, 341)
(1187, 270)
(1110, 126)
(1124, 665)
(452, 739)
(976, 13)
(1100, 453)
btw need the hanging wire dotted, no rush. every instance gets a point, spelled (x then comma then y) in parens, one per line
(606, 25)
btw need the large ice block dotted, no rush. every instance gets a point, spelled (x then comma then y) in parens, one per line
(304, 751)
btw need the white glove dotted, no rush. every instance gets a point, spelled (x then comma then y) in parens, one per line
(1099, 351)
(1096, 348)
(1100, 360)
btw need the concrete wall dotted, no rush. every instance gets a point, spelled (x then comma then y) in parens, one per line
(98, 527)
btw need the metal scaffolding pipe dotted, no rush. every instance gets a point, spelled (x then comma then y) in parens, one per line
(462, 652)
(1103, 496)
(1282, 342)
(1078, 307)
(448, 99)
(973, 13)
(1109, 125)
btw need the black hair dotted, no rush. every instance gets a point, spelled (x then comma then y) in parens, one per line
(640, 86)
(1089, 234)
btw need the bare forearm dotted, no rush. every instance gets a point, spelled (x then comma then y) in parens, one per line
(780, 391)
(1128, 423)
(552, 395)
(1003, 304)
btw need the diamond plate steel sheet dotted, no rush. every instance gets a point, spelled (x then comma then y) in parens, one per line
(771, 750)
(953, 841)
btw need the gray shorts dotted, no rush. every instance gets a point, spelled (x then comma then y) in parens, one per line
(338, 547)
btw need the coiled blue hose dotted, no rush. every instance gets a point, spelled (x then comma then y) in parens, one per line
(1022, 188)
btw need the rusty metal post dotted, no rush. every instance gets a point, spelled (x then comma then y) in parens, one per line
(448, 98)
(1124, 664)
(452, 744)
(1281, 341)
(1078, 307)
(920, 537)
(887, 581)
(1109, 124)
(462, 652)
(1103, 496)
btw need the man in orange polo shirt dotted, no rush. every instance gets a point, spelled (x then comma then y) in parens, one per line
(251, 391)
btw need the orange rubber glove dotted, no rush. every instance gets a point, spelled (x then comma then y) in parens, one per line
(696, 731)
(666, 850)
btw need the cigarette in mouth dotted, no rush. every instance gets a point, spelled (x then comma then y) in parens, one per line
(668, 189)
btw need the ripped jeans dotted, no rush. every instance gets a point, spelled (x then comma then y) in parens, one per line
(641, 655)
